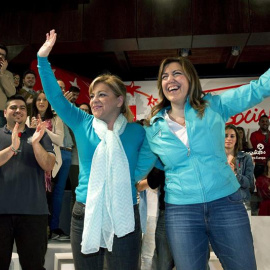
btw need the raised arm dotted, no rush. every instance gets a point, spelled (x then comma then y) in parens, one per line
(69, 113)
(247, 96)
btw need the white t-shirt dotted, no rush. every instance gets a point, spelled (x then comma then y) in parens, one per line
(179, 130)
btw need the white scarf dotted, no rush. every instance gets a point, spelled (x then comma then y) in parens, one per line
(109, 204)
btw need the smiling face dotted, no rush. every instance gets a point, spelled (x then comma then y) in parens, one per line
(105, 105)
(15, 113)
(264, 124)
(29, 80)
(42, 104)
(230, 139)
(175, 84)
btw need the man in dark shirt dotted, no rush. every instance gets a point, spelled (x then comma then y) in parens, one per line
(25, 154)
(260, 141)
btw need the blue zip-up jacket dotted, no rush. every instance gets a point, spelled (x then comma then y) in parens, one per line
(86, 138)
(199, 173)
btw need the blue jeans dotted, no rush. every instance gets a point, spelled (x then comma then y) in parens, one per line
(162, 259)
(30, 235)
(125, 252)
(223, 222)
(59, 189)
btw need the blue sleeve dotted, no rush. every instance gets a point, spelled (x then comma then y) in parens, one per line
(240, 99)
(146, 161)
(67, 111)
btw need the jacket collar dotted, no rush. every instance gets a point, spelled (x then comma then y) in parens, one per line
(159, 115)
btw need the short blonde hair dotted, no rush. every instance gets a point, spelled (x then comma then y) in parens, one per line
(118, 88)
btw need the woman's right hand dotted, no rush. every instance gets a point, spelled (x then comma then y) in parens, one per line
(33, 122)
(46, 48)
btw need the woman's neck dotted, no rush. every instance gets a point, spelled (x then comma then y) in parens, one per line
(229, 152)
(178, 110)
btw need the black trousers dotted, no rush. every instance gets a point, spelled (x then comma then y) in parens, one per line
(30, 235)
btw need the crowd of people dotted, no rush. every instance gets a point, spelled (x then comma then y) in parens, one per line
(210, 175)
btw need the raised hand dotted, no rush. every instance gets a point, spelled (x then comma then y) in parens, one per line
(69, 96)
(15, 138)
(41, 127)
(46, 48)
(3, 65)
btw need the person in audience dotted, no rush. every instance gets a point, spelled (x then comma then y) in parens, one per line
(7, 88)
(25, 154)
(74, 168)
(105, 218)
(260, 140)
(72, 94)
(263, 187)
(85, 107)
(240, 162)
(17, 81)
(202, 194)
(27, 91)
(57, 233)
(245, 143)
(42, 111)
(162, 259)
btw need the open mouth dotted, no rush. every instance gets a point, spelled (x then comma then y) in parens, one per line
(173, 88)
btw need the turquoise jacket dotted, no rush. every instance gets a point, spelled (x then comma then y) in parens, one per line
(199, 173)
(86, 138)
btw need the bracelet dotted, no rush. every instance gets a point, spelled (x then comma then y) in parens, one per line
(15, 152)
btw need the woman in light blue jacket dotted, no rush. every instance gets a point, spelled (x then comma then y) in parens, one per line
(203, 201)
(105, 218)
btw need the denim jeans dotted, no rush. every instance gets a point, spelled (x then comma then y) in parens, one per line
(125, 252)
(223, 222)
(59, 189)
(162, 259)
(30, 235)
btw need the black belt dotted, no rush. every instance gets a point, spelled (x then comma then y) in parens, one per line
(66, 148)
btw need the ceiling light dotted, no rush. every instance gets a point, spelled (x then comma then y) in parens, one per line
(235, 50)
(185, 52)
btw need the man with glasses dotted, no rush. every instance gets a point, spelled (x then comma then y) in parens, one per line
(7, 87)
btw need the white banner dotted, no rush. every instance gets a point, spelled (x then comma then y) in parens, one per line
(143, 95)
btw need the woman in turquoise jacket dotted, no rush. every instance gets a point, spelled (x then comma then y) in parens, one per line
(105, 218)
(203, 201)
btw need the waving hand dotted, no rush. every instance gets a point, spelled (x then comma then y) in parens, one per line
(46, 48)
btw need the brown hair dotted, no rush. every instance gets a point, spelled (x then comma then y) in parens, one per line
(237, 145)
(118, 88)
(195, 92)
